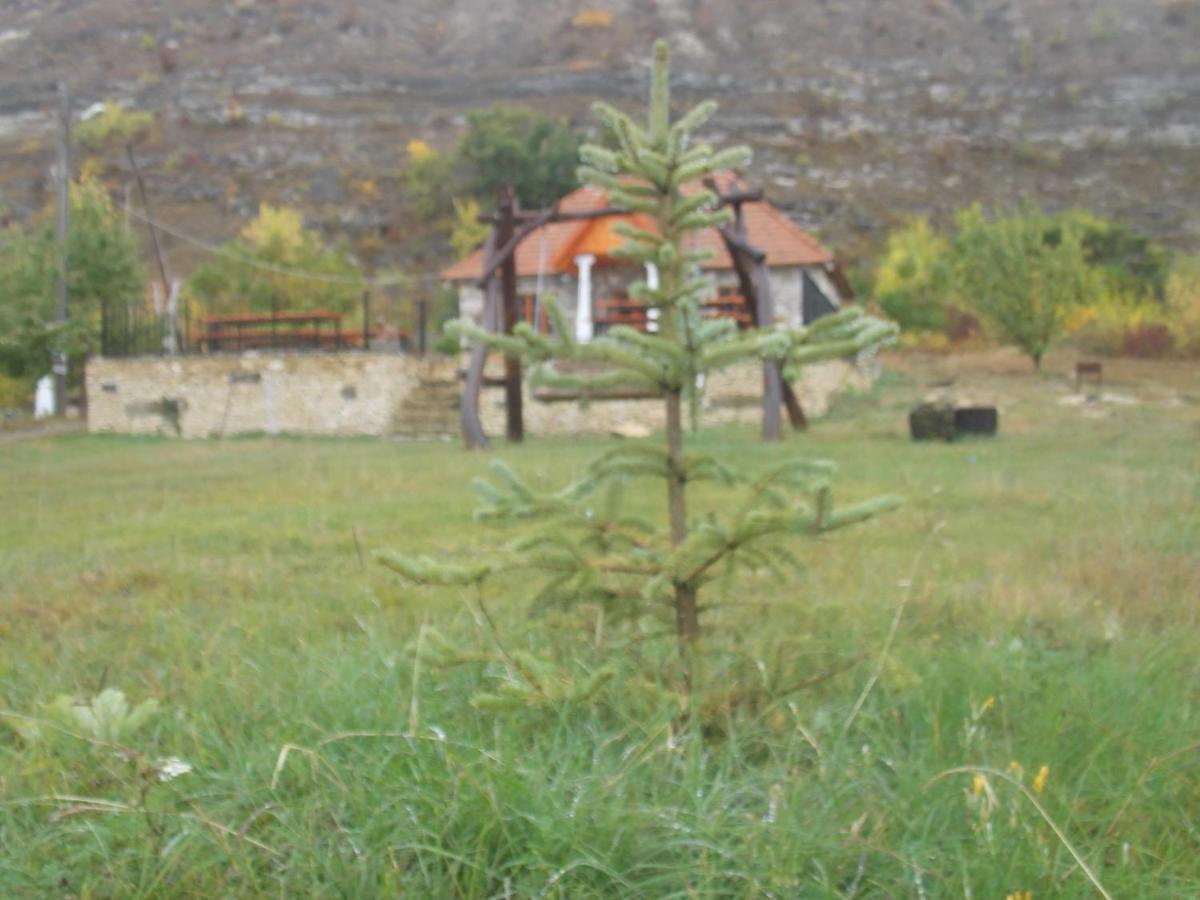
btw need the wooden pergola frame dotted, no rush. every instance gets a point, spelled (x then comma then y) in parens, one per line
(501, 310)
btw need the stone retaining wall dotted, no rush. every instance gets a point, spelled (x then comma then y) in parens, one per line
(299, 393)
(364, 393)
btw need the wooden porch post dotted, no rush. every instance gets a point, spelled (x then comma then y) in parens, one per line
(505, 227)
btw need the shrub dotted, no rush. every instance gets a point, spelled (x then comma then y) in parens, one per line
(15, 393)
(1152, 340)
(429, 179)
(468, 231)
(912, 282)
(102, 263)
(1023, 273)
(113, 125)
(1127, 261)
(1183, 305)
(253, 272)
(1115, 324)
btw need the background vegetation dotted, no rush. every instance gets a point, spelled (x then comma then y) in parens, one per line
(1099, 282)
(103, 265)
(252, 273)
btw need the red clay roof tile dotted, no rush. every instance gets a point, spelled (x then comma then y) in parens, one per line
(785, 242)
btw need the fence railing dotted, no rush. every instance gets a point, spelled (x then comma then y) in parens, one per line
(130, 329)
(133, 329)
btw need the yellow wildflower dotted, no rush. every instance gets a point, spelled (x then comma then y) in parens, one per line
(1039, 782)
(979, 785)
(1019, 895)
(1015, 768)
(419, 151)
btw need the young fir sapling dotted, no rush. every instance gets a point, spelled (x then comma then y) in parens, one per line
(587, 549)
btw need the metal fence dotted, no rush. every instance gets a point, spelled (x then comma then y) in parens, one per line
(130, 329)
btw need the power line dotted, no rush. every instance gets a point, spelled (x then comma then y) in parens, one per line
(234, 256)
(267, 267)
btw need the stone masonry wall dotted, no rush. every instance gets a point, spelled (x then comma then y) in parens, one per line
(733, 396)
(299, 393)
(386, 394)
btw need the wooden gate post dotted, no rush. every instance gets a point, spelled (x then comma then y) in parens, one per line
(505, 228)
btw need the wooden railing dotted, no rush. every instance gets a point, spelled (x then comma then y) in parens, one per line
(612, 311)
(250, 331)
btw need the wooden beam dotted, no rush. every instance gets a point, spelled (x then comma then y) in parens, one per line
(739, 243)
(750, 264)
(795, 411)
(514, 428)
(546, 217)
(533, 215)
(468, 405)
(514, 239)
(733, 198)
(532, 221)
(772, 375)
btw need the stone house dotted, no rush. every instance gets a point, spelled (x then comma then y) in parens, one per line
(573, 262)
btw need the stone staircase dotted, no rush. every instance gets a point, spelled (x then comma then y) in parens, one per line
(430, 410)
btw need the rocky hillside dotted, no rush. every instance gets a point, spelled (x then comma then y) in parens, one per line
(861, 111)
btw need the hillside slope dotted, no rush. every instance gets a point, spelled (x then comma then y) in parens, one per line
(861, 111)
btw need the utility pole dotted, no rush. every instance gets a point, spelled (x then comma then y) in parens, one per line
(158, 252)
(59, 356)
(170, 289)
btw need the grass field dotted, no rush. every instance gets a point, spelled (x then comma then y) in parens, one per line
(1047, 585)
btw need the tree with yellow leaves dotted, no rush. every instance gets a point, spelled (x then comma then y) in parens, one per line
(277, 263)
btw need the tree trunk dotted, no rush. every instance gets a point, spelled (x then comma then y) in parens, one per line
(687, 613)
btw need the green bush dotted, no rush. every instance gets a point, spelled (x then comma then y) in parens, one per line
(15, 393)
(114, 125)
(912, 283)
(255, 272)
(102, 264)
(1023, 272)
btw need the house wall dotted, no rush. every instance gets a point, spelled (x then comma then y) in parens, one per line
(787, 291)
(787, 286)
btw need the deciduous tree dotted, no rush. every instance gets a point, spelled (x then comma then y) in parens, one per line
(1023, 272)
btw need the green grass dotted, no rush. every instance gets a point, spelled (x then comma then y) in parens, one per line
(1054, 570)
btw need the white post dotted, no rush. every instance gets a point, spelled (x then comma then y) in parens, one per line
(652, 283)
(43, 398)
(584, 326)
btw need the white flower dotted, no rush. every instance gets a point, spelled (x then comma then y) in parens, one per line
(172, 767)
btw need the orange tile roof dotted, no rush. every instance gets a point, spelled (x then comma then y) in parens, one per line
(551, 249)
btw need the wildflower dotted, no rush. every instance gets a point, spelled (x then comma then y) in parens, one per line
(172, 767)
(979, 785)
(1039, 781)
(1019, 895)
(1015, 768)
